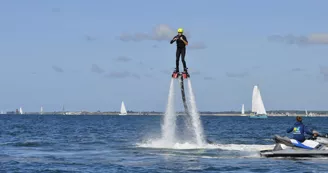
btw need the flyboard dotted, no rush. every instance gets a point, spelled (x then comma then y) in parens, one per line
(181, 76)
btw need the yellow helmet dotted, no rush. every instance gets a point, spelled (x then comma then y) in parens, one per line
(180, 30)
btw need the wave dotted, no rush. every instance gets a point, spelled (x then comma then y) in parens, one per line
(187, 145)
(29, 143)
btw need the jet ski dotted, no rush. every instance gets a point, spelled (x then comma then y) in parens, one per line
(286, 147)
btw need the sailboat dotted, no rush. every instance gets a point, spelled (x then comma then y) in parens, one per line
(123, 109)
(257, 104)
(20, 110)
(242, 110)
(41, 110)
(306, 113)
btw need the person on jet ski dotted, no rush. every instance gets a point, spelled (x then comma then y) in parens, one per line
(299, 129)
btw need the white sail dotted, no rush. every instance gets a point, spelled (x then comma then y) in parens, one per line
(20, 110)
(254, 98)
(123, 109)
(242, 109)
(257, 102)
(41, 110)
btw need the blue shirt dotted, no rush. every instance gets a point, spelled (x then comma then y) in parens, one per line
(298, 131)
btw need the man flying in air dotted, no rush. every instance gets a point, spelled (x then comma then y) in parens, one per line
(182, 42)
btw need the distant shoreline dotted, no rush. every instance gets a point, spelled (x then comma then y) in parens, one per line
(205, 113)
(161, 114)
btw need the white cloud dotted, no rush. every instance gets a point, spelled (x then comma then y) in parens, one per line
(319, 38)
(96, 69)
(161, 32)
(124, 74)
(90, 38)
(118, 74)
(209, 78)
(148, 75)
(123, 59)
(315, 38)
(197, 45)
(57, 69)
(196, 72)
(297, 69)
(237, 75)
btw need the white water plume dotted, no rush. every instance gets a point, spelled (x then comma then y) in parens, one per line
(196, 122)
(169, 124)
(170, 138)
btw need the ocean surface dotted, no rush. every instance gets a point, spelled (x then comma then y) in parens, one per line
(36, 143)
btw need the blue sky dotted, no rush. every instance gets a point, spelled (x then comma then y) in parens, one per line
(91, 56)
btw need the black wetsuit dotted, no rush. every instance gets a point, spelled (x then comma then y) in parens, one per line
(181, 50)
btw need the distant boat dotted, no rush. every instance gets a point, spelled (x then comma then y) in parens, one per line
(123, 109)
(306, 113)
(257, 104)
(20, 110)
(242, 110)
(41, 110)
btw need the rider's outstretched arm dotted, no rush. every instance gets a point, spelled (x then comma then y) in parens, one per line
(289, 129)
(308, 130)
(173, 39)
